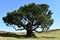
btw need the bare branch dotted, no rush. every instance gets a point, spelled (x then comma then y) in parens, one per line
(35, 28)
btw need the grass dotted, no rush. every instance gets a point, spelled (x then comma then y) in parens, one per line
(50, 35)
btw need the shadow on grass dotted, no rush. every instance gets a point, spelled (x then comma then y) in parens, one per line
(14, 35)
(48, 37)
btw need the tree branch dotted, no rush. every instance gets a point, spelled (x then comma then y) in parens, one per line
(35, 28)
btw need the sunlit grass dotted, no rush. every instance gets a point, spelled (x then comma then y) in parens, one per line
(51, 35)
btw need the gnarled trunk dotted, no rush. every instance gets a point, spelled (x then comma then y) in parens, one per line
(29, 32)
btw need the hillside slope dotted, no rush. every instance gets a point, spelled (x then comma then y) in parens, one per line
(50, 35)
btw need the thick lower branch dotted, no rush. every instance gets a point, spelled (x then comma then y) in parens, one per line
(35, 28)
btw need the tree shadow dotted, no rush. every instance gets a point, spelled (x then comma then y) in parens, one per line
(48, 37)
(14, 35)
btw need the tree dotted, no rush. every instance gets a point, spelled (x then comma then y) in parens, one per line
(46, 21)
(30, 17)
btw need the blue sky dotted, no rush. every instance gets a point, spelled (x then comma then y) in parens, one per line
(10, 5)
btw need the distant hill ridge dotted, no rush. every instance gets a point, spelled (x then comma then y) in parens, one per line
(54, 30)
(3, 31)
(48, 31)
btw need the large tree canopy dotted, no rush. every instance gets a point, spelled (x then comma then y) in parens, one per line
(30, 17)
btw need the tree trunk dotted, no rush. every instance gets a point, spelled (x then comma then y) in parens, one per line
(29, 32)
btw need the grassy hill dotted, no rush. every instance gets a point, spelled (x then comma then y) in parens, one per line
(50, 35)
